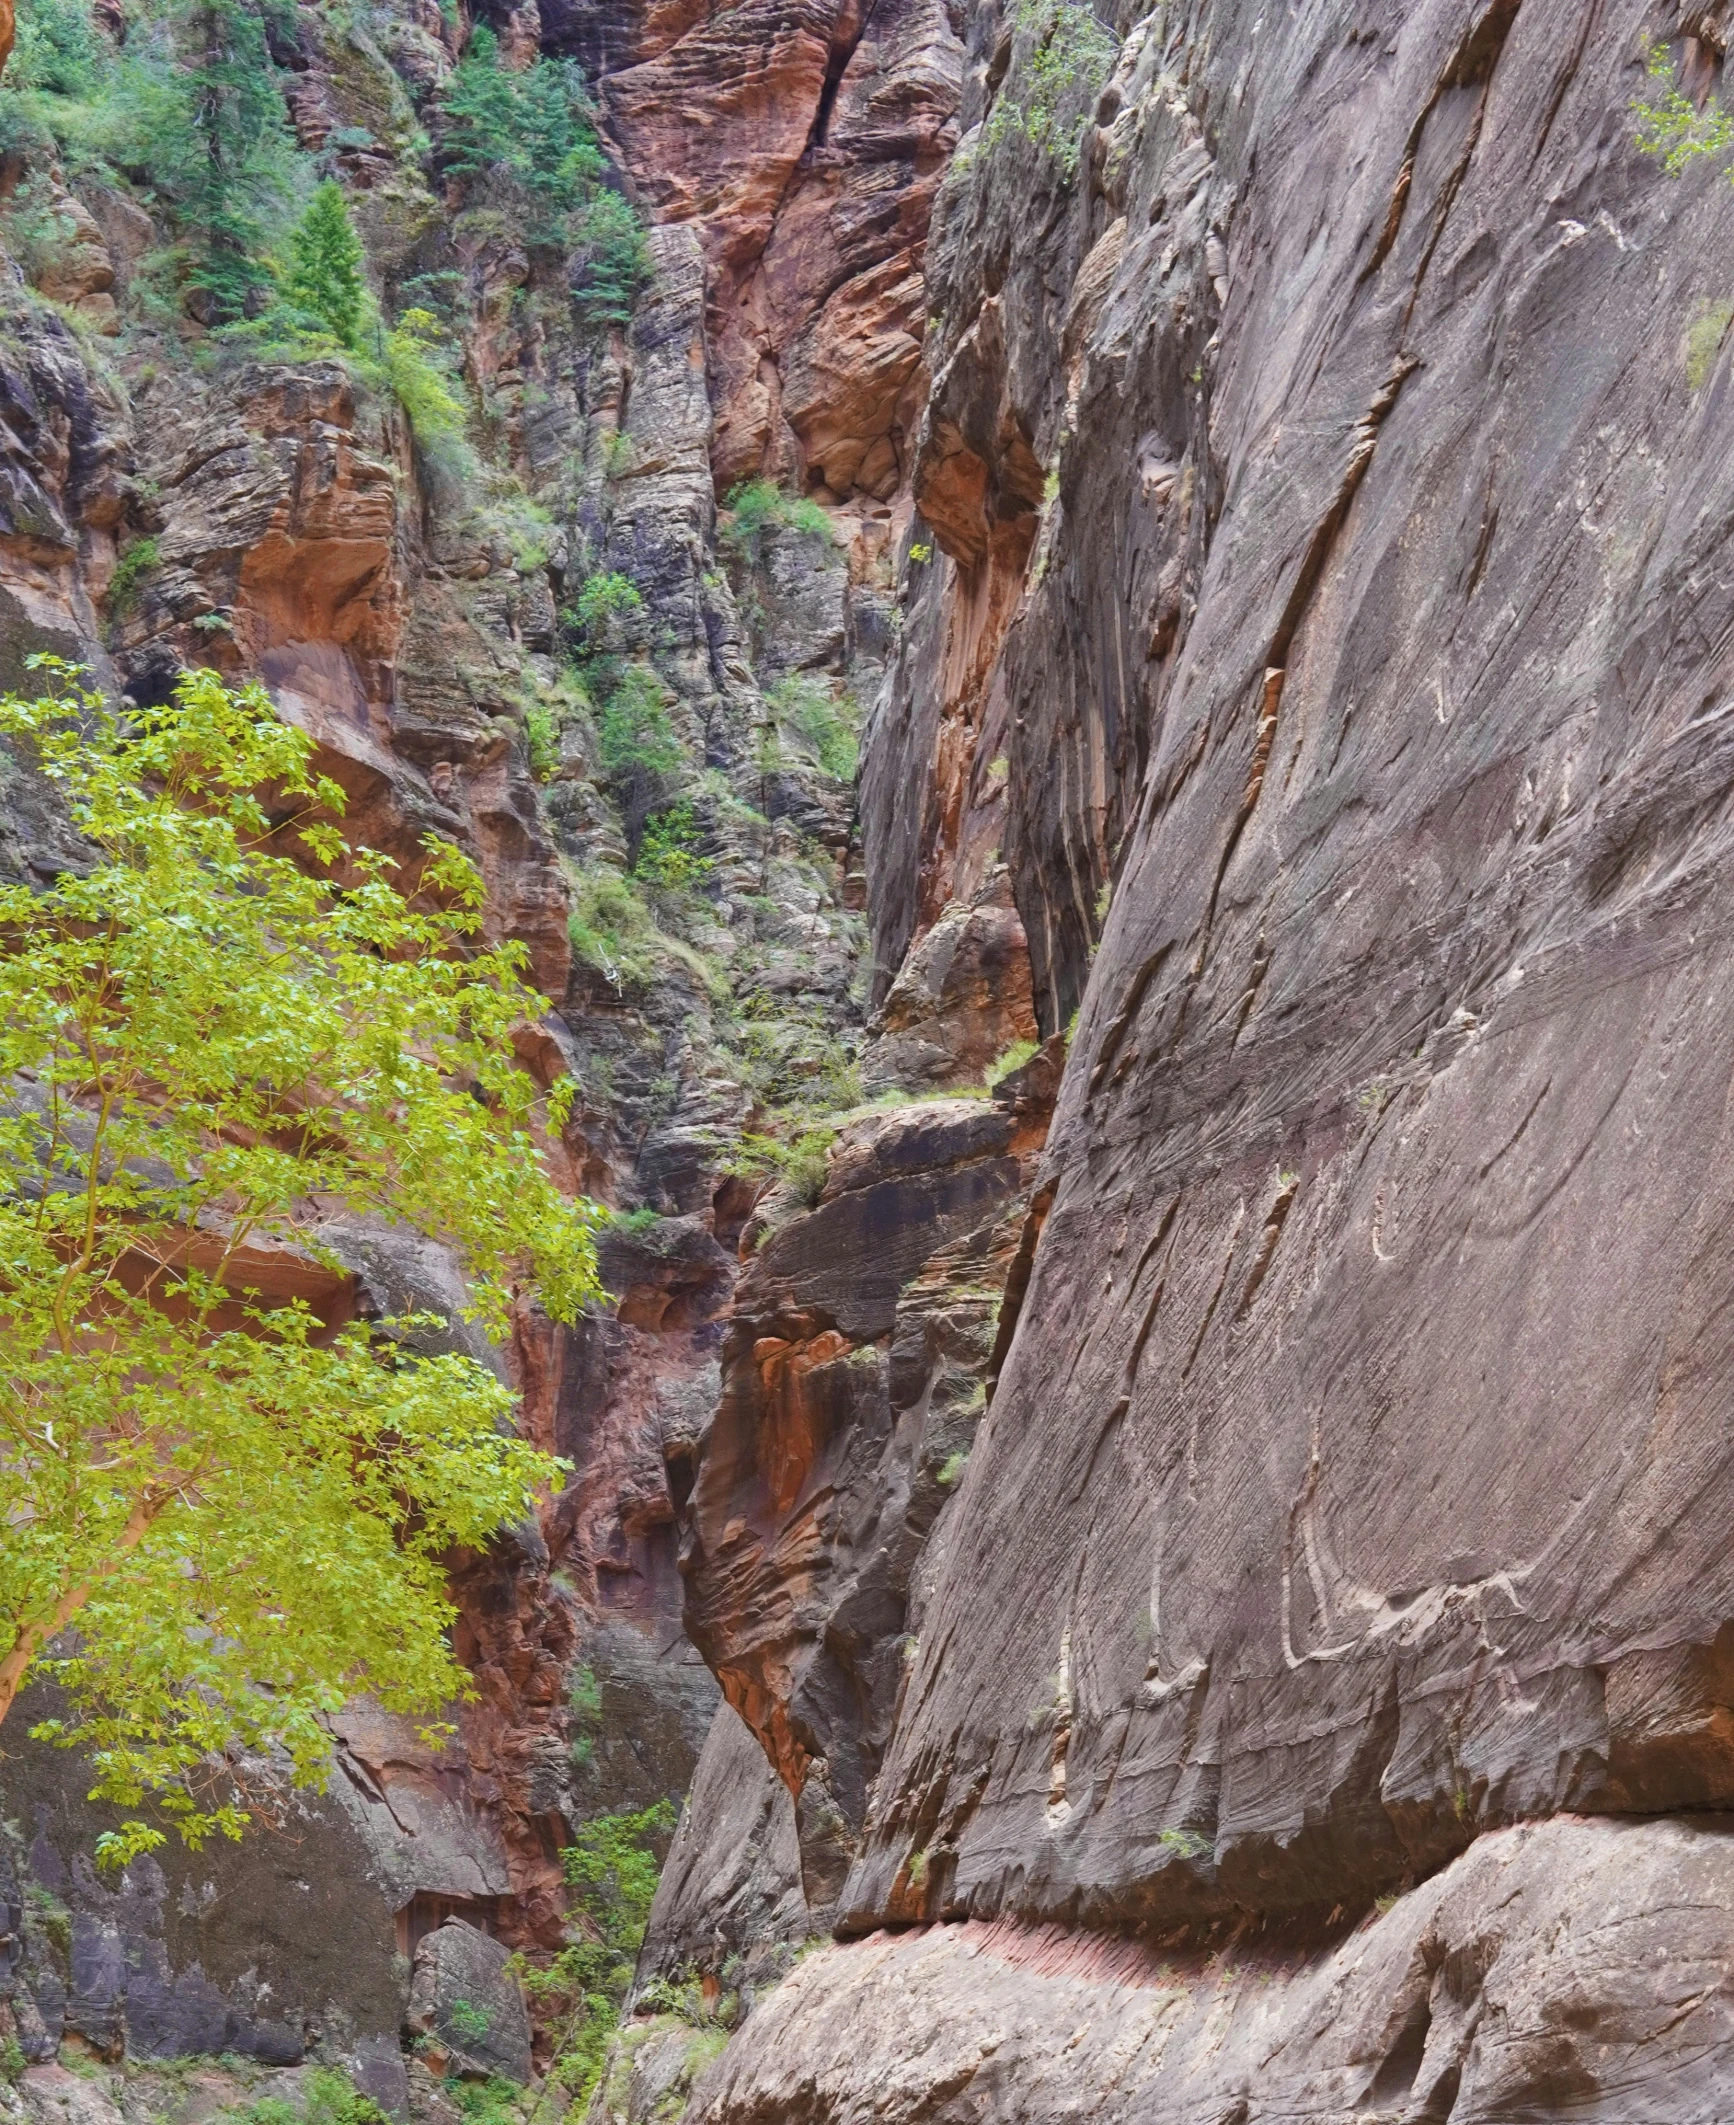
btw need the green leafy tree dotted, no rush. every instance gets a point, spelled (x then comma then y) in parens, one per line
(532, 128)
(608, 260)
(670, 859)
(533, 131)
(325, 260)
(611, 1869)
(225, 1030)
(58, 48)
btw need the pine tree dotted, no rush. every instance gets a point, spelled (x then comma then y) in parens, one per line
(325, 259)
(224, 150)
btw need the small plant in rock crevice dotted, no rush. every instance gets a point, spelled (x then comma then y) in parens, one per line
(1062, 58)
(1014, 1058)
(141, 559)
(809, 715)
(1669, 125)
(670, 860)
(468, 2022)
(1704, 337)
(758, 509)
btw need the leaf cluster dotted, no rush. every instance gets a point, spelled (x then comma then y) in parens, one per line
(636, 734)
(611, 1871)
(670, 854)
(1061, 60)
(817, 721)
(227, 1031)
(757, 509)
(1670, 126)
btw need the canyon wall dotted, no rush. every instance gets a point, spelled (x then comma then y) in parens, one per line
(1193, 1569)
(1324, 633)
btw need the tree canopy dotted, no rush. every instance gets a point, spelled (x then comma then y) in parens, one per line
(325, 262)
(223, 1512)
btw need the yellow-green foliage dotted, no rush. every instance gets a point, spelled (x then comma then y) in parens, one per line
(245, 1518)
(419, 370)
(1704, 340)
(1014, 1058)
(1062, 57)
(611, 1868)
(1670, 125)
(809, 717)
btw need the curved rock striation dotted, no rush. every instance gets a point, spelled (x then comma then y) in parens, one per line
(1356, 1477)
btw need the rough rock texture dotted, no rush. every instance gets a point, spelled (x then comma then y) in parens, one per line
(257, 1950)
(960, 1000)
(730, 1892)
(806, 144)
(1350, 1482)
(850, 1391)
(465, 2002)
(1561, 1970)
(1294, 535)
(176, 501)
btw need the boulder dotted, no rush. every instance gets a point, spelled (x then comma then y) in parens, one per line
(466, 2003)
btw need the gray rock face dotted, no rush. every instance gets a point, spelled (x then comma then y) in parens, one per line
(730, 1895)
(264, 1949)
(1357, 1475)
(466, 2003)
(850, 1393)
(1560, 1970)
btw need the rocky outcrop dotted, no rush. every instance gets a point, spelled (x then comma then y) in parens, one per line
(1213, 1581)
(262, 1950)
(1564, 1969)
(851, 1387)
(805, 146)
(1317, 658)
(465, 2003)
(730, 1902)
(1335, 1233)
(961, 999)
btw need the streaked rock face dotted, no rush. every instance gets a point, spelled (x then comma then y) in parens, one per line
(851, 1387)
(806, 145)
(1355, 1482)
(1297, 548)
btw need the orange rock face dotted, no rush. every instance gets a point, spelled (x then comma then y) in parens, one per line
(807, 144)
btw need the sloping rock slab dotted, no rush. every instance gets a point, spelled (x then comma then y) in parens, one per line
(1568, 1969)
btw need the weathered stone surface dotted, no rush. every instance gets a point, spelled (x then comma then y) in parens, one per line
(730, 1896)
(1566, 1969)
(850, 1390)
(1351, 1482)
(262, 1949)
(960, 1000)
(805, 145)
(466, 2002)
